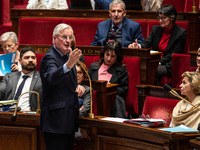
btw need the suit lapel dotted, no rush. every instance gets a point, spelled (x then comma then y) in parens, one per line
(15, 82)
(34, 80)
(158, 37)
(124, 31)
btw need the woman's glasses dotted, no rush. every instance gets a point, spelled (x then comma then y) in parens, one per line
(145, 117)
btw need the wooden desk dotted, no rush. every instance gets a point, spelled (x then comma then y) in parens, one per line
(22, 134)
(195, 144)
(106, 95)
(148, 62)
(105, 135)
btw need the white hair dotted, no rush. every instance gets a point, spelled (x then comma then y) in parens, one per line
(9, 36)
(59, 28)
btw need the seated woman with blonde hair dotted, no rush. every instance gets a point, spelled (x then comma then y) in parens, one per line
(184, 112)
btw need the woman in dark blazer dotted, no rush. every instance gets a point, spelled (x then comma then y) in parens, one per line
(110, 68)
(167, 37)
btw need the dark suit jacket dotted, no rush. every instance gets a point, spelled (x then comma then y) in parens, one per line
(8, 87)
(176, 43)
(60, 101)
(86, 102)
(102, 4)
(131, 30)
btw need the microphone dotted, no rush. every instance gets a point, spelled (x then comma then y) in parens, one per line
(14, 115)
(91, 114)
(173, 92)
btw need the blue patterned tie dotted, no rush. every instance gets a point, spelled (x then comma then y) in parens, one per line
(19, 90)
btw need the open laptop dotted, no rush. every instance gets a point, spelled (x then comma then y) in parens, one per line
(133, 4)
(81, 4)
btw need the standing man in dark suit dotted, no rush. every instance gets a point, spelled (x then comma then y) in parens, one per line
(118, 27)
(11, 81)
(60, 90)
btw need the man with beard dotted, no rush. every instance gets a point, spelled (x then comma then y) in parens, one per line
(11, 82)
(118, 28)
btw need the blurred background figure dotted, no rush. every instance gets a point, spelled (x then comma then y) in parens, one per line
(184, 113)
(151, 5)
(110, 68)
(47, 4)
(9, 44)
(84, 100)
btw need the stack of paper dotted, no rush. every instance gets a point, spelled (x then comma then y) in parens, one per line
(146, 122)
(181, 129)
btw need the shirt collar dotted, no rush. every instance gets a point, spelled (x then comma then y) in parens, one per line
(30, 74)
(119, 25)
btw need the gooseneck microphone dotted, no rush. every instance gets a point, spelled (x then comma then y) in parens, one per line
(173, 92)
(14, 115)
(91, 114)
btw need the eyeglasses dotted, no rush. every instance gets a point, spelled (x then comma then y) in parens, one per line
(145, 117)
(8, 46)
(118, 11)
(162, 18)
(63, 37)
(79, 72)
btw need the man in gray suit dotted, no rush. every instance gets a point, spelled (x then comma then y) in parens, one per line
(11, 81)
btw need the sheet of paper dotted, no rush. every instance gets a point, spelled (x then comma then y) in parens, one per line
(113, 119)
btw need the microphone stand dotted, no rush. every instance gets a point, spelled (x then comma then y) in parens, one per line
(173, 92)
(38, 109)
(194, 7)
(91, 114)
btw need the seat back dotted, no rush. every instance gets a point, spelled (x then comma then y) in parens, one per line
(189, 4)
(4, 11)
(90, 59)
(40, 30)
(39, 58)
(178, 4)
(133, 68)
(159, 108)
(180, 63)
(143, 24)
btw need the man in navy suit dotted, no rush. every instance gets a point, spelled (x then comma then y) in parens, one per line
(59, 81)
(118, 27)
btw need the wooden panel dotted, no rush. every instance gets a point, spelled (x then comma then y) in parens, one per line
(22, 134)
(21, 138)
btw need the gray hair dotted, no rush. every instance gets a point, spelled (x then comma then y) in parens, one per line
(116, 2)
(9, 36)
(59, 28)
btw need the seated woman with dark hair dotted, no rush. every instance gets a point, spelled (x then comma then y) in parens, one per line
(167, 38)
(110, 68)
(184, 112)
